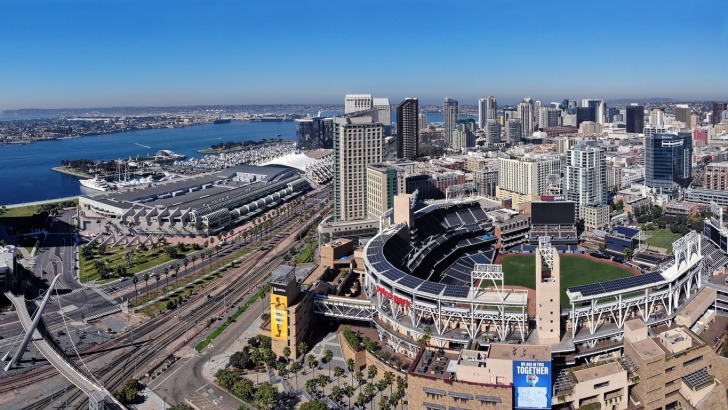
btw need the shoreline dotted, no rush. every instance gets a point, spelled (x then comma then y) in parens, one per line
(41, 202)
(69, 171)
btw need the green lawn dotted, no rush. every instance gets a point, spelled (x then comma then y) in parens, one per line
(141, 260)
(575, 270)
(662, 238)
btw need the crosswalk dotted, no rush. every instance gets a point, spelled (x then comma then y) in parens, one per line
(108, 312)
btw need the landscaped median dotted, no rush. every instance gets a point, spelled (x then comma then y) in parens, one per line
(207, 340)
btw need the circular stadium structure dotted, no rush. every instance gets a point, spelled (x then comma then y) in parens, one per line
(432, 279)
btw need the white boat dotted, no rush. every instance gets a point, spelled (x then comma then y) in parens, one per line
(97, 183)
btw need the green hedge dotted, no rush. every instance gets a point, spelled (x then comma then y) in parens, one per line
(229, 321)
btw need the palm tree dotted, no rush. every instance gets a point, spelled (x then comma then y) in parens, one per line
(209, 261)
(350, 367)
(370, 390)
(338, 372)
(359, 376)
(135, 280)
(176, 268)
(328, 355)
(193, 259)
(146, 280)
(203, 255)
(311, 363)
(348, 392)
(166, 280)
(372, 372)
(185, 262)
(295, 368)
(287, 353)
(157, 276)
(258, 358)
(389, 378)
(302, 348)
(336, 394)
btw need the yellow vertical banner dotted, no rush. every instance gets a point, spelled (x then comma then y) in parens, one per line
(279, 317)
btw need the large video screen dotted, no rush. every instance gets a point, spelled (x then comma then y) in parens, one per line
(532, 384)
(553, 213)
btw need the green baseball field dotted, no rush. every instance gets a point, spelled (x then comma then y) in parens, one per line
(520, 270)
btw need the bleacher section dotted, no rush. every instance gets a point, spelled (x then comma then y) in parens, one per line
(712, 254)
(450, 238)
(459, 272)
(559, 234)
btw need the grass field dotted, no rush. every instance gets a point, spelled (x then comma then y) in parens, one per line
(662, 238)
(575, 270)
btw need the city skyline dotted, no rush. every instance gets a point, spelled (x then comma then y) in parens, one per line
(88, 54)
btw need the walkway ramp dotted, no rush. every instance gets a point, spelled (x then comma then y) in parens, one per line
(98, 395)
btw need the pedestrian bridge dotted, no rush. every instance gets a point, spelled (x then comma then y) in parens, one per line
(99, 397)
(343, 307)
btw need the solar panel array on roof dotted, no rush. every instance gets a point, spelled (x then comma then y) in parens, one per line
(392, 274)
(698, 379)
(456, 291)
(617, 285)
(431, 287)
(410, 281)
(625, 231)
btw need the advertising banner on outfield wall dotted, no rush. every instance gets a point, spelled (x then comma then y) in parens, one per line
(532, 384)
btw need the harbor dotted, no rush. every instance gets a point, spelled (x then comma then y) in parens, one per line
(28, 167)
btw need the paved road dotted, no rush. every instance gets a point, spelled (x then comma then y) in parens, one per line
(184, 380)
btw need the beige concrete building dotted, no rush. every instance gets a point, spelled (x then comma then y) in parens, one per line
(291, 312)
(468, 379)
(333, 252)
(525, 179)
(357, 143)
(383, 183)
(716, 176)
(606, 383)
(595, 217)
(673, 366)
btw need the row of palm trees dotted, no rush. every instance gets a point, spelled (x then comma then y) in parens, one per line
(260, 230)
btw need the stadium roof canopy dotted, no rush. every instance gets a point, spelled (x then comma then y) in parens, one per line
(626, 232)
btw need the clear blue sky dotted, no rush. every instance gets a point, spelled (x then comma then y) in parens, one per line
(93, 53)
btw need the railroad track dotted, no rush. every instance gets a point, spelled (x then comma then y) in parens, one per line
(156, 338)
(144, 354)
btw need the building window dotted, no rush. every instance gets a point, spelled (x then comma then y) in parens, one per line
(600, 385)
(692, 361)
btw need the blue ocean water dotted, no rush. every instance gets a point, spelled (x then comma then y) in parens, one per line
(25, 170)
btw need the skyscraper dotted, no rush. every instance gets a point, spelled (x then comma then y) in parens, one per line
(585, 182)
(315, 133)
(384, 113)
(513, 131)
(482, 112)
(548, 117)
(450, 116)
(668, 161)
(492, 131)
(422, 120)
(718, 108)
(492, 109)
(463, 136)
(585, 114)
(525, 112)
(357, 102)
(408, 131)
(683, 114)
(585, 176)
(657, 117)
(357, 143)
(635, 119)
(599, 108)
